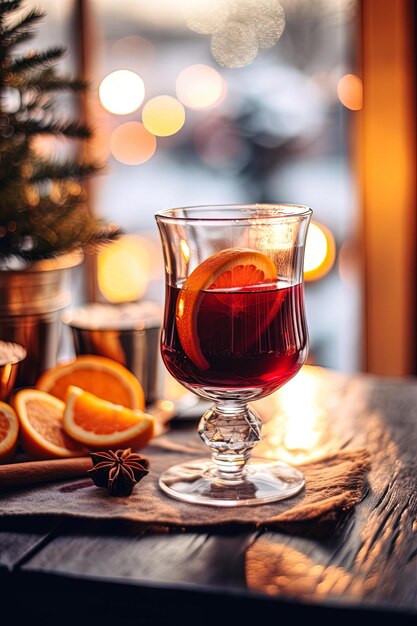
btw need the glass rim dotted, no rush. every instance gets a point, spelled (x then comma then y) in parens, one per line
(264, 211)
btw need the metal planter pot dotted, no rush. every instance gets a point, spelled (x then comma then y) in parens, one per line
(31, 303)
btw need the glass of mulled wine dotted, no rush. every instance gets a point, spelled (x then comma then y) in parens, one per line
(234, 331)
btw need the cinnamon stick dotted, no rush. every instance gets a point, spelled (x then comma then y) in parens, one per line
(36, 472)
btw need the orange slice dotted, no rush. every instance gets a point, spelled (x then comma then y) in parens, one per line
(233, 268)
(100, 424)
(9, 432)
(41, 428)
(99, 375)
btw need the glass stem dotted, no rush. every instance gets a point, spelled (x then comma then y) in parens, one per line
(230, 429)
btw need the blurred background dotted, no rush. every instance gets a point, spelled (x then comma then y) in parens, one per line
(244, 101)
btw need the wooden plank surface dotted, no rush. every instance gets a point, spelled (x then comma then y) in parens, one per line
(20, 539)
(131, 553)
(369, 561)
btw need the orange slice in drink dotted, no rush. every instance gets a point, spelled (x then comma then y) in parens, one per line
(9, 432)
(99, 424)
(99, 375)
(41, 428)
(236, 269)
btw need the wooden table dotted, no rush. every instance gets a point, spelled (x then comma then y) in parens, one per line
(71, 571)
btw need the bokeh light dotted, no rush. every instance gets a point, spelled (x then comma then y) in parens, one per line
(122, 92)
(320, 252)
(185, 250)
(200, 87)
(239, 28)
(266, 17)
(123, 269)
(350, 92)
(205, 17)
(163, 116)
(132, 144)
(133, 50)
(11, 99)
(236, 45)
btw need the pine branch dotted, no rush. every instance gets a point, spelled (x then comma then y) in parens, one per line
(7, 6)
(46, 81)
(79, 230)
(24, 64)
(20, 38)
(23, 29)
(42, 201)
(33, 127)
(10, 155)
(67, 170)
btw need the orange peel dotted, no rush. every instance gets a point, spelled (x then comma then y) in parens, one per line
(99, 375)
(41, 427)
(100, 424)
(9, 432)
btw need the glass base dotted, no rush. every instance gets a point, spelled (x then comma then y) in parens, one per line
(261, 481)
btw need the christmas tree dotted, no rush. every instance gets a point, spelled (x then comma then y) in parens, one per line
(43, 209)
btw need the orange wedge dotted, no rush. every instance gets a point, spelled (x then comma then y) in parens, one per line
(9, 432)
(99, 375)
(41, 428)
(100, 424)
(233, 268)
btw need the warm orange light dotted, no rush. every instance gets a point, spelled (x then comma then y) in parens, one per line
(163, 116)
(296, 428)
(300, 404)
(320, 252)
(123, 269)
(185, 250)
(350, 92)
(122, 92)
(132, 144)
(200, 87)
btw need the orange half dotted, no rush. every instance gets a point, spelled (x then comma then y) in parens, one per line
(41, 428)
(9, 432)
(99, 424)
(233, 268)
(99, 375)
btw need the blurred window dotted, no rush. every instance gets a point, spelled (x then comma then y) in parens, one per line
(227, 101)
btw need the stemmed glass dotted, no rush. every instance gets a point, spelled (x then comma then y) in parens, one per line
(234, 331)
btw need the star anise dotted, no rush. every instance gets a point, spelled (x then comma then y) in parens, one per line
(119, 471)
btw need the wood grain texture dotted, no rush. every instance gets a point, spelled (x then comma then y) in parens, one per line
(20, 539)
(129, 552)
(368, 562)
(373, 559)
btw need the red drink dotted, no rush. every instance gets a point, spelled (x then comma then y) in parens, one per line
(251, 338)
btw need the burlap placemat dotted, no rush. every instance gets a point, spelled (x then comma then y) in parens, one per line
(334, 484)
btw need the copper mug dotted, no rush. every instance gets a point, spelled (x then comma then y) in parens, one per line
(128, 333)
(11, 355)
